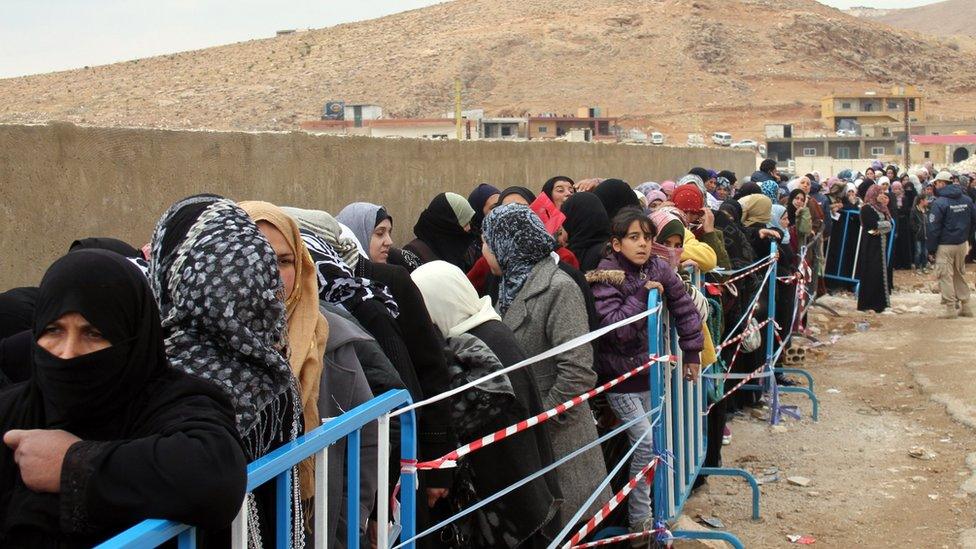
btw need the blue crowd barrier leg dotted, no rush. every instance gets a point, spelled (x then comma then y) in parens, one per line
(353, 442)
(799, 372)
(283, 509)
(814, 401)
(730, 472)
(702, 534)
(187, 539)
(408, 480)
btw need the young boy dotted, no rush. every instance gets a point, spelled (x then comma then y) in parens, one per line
(918, 222)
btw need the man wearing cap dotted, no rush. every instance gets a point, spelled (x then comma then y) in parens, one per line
(952, 220)
(704, 244)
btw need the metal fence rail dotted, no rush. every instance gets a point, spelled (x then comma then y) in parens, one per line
(277, 466)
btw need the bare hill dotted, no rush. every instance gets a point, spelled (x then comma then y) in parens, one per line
(940, 20)
(677, 64)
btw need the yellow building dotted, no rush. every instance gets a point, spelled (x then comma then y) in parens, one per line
(850, 110)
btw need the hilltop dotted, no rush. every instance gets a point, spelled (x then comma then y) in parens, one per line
(695, 65)
(938, 20)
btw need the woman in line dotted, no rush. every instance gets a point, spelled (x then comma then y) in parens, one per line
(223, 312)
(373, 228)
(558, 189)
(873, 268)
(615, 194)
(105, 433)
(387, 303)
(900, 203)
(524, 518)
(587, 229)
(544, 308)
(621, 285)
(443, 232)
(16, 320)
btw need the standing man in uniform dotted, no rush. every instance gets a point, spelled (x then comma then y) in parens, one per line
(952, 220)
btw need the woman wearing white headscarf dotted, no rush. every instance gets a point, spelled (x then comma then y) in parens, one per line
(478, 338)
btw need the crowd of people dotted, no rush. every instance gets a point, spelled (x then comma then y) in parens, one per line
(138, 383)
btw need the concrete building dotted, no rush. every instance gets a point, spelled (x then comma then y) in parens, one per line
(502, 128)
(422, 128)
(850, 110)
(552, 127)
(942, 149)
(833, 146)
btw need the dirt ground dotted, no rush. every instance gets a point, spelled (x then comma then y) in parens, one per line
(902, 387)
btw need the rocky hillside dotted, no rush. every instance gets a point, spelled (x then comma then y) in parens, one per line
(695, 65)
(938, 20)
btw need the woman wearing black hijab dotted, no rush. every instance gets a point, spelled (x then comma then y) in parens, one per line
(747, 189)
(220, 292)
(513, 194)
(126, 436)
(442, 232)
(615, 195)
(106, 243)
(16, 319)
(588, 228)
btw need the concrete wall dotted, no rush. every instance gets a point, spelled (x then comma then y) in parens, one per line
(59, 182)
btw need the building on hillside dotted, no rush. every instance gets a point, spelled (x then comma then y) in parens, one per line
(502, 128)
(423, 128)
(848, 111)
(356, 113)
(601, 127)
(942, 149)
(832, 146)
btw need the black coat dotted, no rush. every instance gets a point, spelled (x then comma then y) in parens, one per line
(873, 268)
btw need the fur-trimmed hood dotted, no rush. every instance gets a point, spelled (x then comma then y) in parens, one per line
(614, 277)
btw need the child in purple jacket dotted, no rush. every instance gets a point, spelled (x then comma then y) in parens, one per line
(620, 286)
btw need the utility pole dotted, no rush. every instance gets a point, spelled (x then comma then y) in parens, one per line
(457, 106)
(908, 138)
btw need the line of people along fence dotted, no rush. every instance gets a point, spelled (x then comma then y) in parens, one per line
(678, 412)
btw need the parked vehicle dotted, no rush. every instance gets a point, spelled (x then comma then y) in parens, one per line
(696, 140)
(745, 144)
(657, 138)
(846, 133)
(722, 138)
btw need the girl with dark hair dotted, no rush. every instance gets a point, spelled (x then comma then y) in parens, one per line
(620, 286)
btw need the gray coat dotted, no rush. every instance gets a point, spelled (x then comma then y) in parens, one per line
(344, 387)
(547, 312)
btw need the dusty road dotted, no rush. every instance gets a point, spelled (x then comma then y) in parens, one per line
(906, 386)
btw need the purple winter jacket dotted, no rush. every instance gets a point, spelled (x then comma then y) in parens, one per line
(618, 288)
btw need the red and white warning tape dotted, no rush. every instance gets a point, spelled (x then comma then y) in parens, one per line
(450, 459)
(616, 500)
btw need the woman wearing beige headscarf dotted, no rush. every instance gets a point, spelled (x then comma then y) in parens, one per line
(307, 328)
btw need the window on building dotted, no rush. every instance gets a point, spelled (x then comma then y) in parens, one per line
(543, 129)
(927, 154)
(809, 151)
(506, 131)
(877, 151)
(843, 152)
(894, 105)
(845, 106)
(911, 105)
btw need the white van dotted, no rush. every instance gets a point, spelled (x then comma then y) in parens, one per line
(657, 138)
(722, 138)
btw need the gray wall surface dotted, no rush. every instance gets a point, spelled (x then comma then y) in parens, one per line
(60, 182)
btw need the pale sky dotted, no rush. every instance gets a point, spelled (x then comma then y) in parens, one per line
(48, 35)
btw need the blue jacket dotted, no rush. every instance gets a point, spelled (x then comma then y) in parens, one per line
(952, 218)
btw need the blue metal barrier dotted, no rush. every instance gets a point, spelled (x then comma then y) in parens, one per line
(681, 437)
(852, 278)
(278, 465)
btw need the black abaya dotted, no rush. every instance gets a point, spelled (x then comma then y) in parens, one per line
(873, 269)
